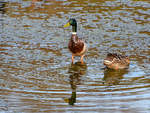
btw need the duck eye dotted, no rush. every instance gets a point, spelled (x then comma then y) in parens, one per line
(71, 21)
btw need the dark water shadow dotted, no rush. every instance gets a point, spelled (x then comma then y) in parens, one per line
(2, 7)
(2, 12)
(76, 71)
(113, 77)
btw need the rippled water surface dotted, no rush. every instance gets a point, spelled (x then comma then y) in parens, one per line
(36, 74)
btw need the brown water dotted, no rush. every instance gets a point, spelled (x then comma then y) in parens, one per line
(36, 74)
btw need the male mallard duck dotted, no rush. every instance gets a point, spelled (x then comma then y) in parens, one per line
(116, 61)
(76, 45)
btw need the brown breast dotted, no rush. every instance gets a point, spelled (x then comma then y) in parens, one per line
(75, 44)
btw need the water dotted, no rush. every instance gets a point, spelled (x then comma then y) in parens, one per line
(36, 74)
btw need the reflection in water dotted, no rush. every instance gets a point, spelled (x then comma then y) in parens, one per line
(33, 5)
(2, 7)
(2, 11)
(76, 71)
(113, 77)
(36, 9)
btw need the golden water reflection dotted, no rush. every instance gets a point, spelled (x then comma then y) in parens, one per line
(113, 77)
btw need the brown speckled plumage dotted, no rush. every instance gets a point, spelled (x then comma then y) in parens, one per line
(75, 44)
(116, 61)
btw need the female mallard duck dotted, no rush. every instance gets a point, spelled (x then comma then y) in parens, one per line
(76, 45)
(116, 61)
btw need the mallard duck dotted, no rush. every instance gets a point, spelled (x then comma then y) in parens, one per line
(76, 46)
(116, 61)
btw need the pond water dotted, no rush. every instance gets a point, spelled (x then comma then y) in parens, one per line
(36, 74)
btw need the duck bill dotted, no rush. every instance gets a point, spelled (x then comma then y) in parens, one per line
(67, 25)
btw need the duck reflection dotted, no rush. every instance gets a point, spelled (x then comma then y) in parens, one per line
(76, 71)
(2, 11)
(2, 7)
(113, 77)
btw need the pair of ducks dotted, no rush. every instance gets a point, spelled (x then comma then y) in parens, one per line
(78, 48)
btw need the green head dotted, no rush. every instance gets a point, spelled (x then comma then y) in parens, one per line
(73, 23)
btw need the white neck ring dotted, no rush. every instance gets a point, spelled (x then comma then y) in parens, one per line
(74, 33)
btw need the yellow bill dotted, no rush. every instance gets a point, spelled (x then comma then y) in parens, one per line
(66, 100)
(67, 25)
